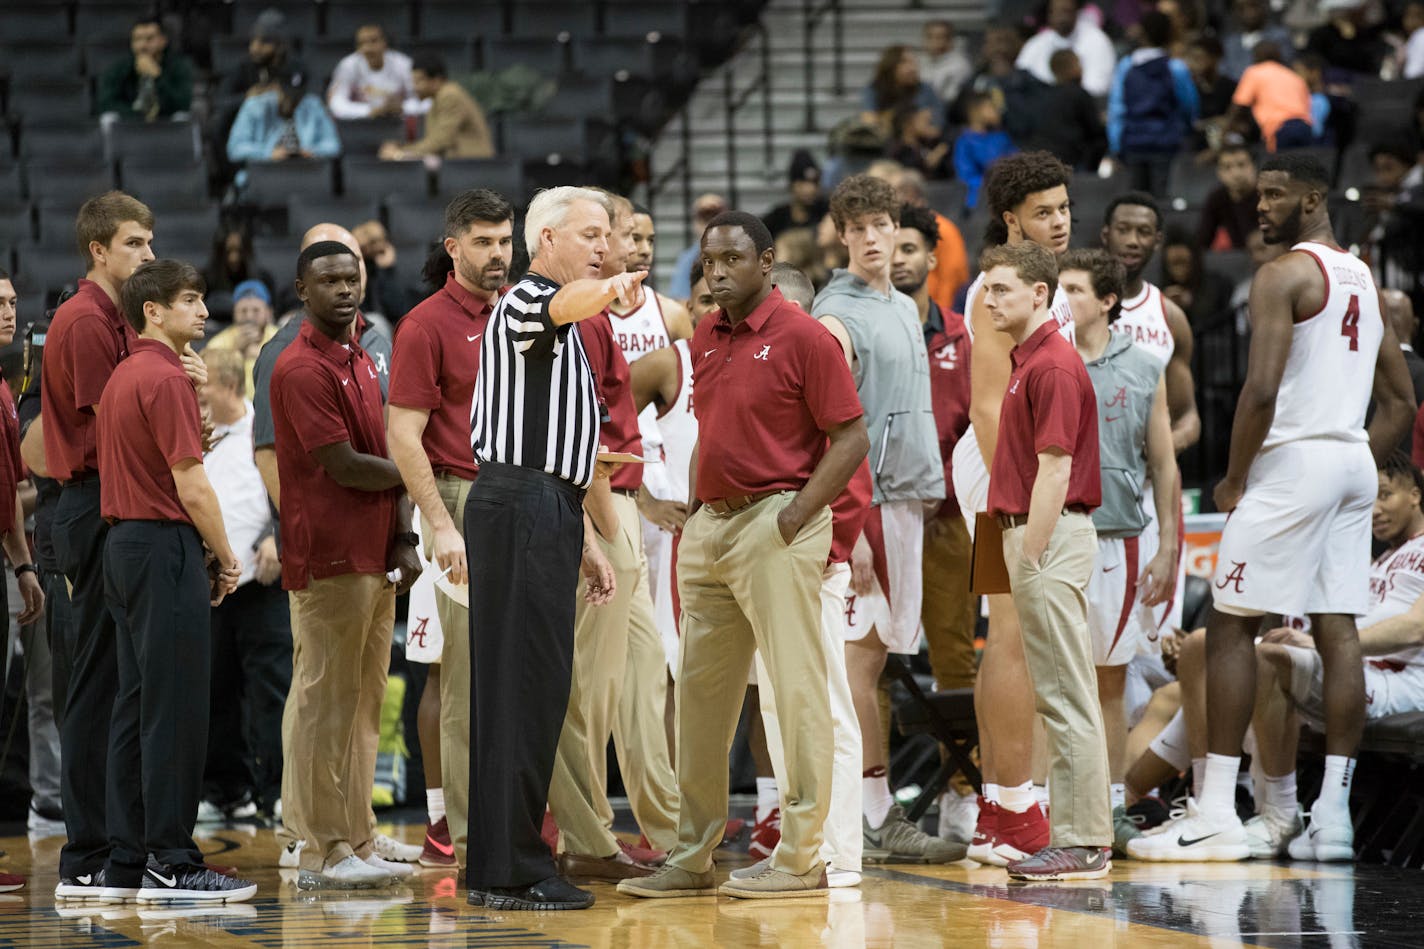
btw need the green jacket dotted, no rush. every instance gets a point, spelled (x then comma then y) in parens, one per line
(119, 86)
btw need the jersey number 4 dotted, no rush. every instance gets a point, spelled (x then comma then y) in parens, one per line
(1350, 325)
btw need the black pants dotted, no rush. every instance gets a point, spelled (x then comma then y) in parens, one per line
(87, 651)
(57, 623)
(524, 540)
(251, 673)
(157, 588)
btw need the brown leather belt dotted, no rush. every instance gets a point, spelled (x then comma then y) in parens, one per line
(1007, 521)
(725, 506)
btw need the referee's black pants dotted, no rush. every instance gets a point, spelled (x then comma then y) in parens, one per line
(157, 588)
(524, 541)
(86, 650)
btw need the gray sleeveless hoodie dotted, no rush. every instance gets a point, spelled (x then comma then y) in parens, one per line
(1125, 379)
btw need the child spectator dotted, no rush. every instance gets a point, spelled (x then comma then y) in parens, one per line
(915, 143)
(1076, 134)
(979, 145)
(1152, 107)
(1276, 98)
(1229, 215)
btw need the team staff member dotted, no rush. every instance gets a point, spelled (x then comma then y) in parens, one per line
(12, 472)
(535, 434)
(772, 386)
(433, 369)
(344, 525)
(1043, 485)
(164, 512)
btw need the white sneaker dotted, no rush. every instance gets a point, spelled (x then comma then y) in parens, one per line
(841, 879)
(1330, 838)
(1270, 831)
(210, 813)
(40, 827)
(291, 856)
(1195, 838)
(958, 813)
(388, 848)
(351, 873)
(397, 871)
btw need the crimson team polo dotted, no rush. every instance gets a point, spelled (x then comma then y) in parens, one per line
(86, 339)
(323, 393)
(434, 364)
(12, 468)
(615, 393)
(148, 421)
(947, 342)
(1050, 403)
(768, 390)
(848, 513)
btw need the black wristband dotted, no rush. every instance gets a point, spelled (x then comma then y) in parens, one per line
(23, 569)
(409, 538)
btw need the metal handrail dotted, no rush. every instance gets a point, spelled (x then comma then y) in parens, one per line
(815, 11)
(732, 103)
(681, 167)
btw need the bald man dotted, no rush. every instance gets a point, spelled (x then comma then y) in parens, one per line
(264, 440)
(1399, 309)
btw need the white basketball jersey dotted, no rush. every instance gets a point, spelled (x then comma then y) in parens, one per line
(679, 427)
(1396, 583)
(1145, 317)
(1330, 371)
(1059, 309)
(639, 333)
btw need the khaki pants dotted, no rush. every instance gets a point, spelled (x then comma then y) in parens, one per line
(341, 629)
(948, 608)
(1052, 603)
(743, 589)
(619, 687)
(454, 675)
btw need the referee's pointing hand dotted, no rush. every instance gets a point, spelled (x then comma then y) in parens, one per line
(628, 287)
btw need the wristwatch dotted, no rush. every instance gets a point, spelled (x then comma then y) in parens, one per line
(24, 568)
(409, 538)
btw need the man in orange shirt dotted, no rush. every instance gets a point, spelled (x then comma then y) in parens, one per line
(1277, 98)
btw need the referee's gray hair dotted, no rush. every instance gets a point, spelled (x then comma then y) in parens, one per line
(551, 206)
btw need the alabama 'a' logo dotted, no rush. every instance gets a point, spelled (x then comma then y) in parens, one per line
(417, 632)
(1236, 576)
(850, 609)
(1119, 399)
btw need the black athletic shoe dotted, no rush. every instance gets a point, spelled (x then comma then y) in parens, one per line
(166, 884)
(555, 893)
(83, 886)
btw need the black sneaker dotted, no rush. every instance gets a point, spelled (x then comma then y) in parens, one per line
(555, 893)
(165, 884)
(83, 886)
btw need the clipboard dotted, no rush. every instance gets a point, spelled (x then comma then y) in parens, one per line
(622, 457)
(988, 574)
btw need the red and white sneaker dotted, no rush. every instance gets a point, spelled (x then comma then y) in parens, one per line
(438, 850)
(986, 828)
(766, 834)
(1019, 836)
(10, 881)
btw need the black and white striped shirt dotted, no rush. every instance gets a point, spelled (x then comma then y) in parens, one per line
(535, 403)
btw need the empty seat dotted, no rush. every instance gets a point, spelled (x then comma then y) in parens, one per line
(69, 184)
(1188, 181)
(413, 222)
(345, 17)
(269, 184)
(34, 19)
(16, 224)
(305, 212)
(456, 51)
(462, 18)
(371, 177)
(227, 54)
(533, 18)
(1355, 166)
(363, 137)
(101, 52)
(641, 17)
(175, 143)
(542, 54)
(46, 270)
(649, 56)
(504, 175)
(568, 139)
(12, 187)
(185, 232)
(301, 17)
(55, 224)
(109, 17)
(65, 145)
(48, 101)
(39, 58)
(163, 183)
(277, 256)
(322, 56)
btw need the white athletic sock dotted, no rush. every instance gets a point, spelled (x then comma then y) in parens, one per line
(1335, 786)
(1017, 799)
(875, 795)
(1279, 793)
(768, 799)
(1198, 776)
(1117, 795)
(1042, 796)
(991, 792)
(1218, 793)
(435, 804)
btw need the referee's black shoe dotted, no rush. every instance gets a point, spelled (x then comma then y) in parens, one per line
(168, 884)
(554, 893)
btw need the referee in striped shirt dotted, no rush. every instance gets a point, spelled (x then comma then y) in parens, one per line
(535, 431)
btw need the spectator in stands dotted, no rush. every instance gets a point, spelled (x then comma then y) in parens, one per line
(1201, 293)
(1017, 93)
(704, 209)
(807, 203)
(1076, 135)
(944, 64)
(1214, 91)
(1151, 108)
(1229, 214)
(280, 125)
(374, 81)
(1348, 42)
(980, 144)
(1394, 206)
(386, 293)
(796, 248)
(896, 86)
(1276, 98)
(1252, 28)
(252, 326)
(150, 82)
(1411, 55)
(1311, 67)
(455, 126)
(917, 144)
(232, 262)
(1066, 28)
(1399, 310)
(270, 62)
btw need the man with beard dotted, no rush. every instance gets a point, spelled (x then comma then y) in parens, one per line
(433, 368)
(1296, 546)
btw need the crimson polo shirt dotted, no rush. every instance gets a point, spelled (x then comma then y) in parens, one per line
(615, 394)
(1049, 403)
(947, 342)
(148, 421)
(86, 339)
(768, 390)
(12, 469)
(323, 393)
(434, 364)
(848, 513)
